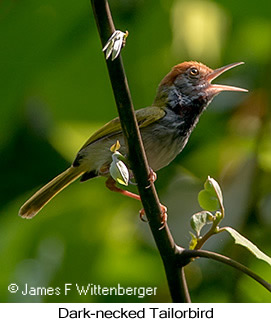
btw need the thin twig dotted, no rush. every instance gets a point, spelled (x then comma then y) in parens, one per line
(211, 232)
(137, 156)
(185, 287)
(226, 260)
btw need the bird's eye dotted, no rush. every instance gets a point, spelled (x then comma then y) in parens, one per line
(194, 71)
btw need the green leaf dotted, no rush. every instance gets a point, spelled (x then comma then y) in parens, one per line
(210, 198)
(208, 201)
(193, 241)
(199, 220)
(213, 187)
(239, 239)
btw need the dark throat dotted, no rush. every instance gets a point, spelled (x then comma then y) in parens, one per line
(188, 112)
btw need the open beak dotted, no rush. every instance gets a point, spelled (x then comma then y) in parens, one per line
(216, 88)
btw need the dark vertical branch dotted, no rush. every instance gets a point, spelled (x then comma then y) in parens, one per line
(137, 156)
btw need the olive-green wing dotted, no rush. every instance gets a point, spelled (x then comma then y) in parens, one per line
(144, 117)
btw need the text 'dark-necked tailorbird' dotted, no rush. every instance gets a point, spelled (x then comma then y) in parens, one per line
(182, 96)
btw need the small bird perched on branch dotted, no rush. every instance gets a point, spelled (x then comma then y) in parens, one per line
(165, 127)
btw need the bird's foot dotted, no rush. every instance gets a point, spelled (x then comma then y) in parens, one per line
(163, 216)
(152, 177)
(111, 184)
(141, 215)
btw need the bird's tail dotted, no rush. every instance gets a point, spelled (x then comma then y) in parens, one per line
(32, 206)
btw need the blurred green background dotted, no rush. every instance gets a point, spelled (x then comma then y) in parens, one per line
(55, 92)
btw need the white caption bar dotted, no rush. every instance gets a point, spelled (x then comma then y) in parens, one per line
(139, 312)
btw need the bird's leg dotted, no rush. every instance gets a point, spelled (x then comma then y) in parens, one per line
(111, 184)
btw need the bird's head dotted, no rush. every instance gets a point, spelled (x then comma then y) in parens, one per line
(192, 81)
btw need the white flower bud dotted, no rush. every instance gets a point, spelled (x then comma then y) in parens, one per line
(118, 170)
(114, 44)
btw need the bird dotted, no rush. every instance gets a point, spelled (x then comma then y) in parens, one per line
(165, 127)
